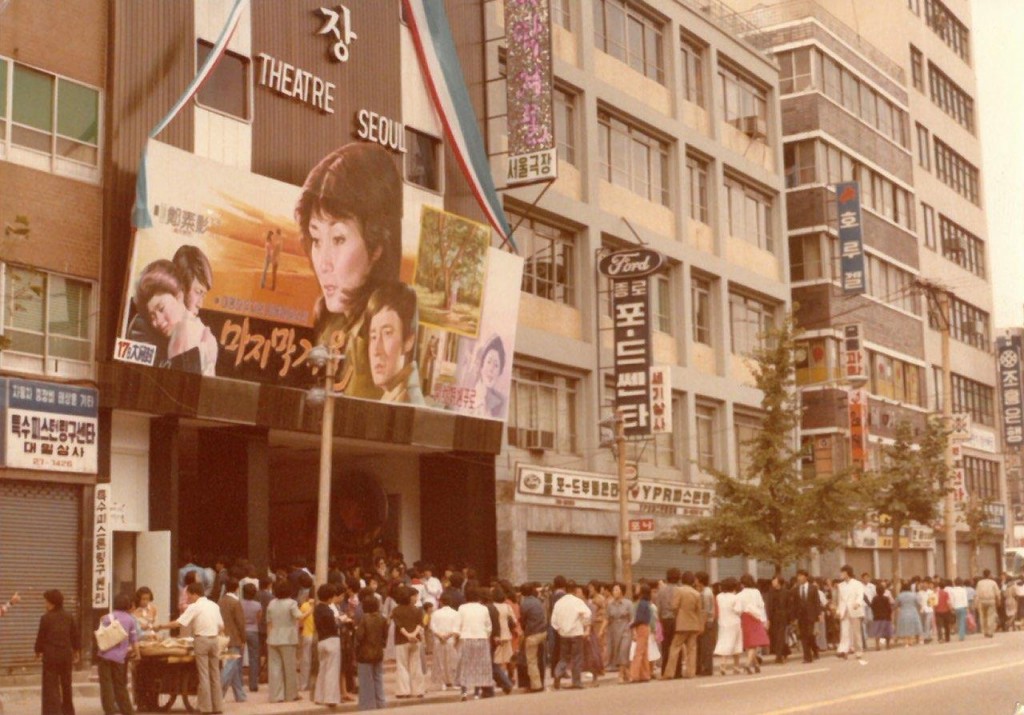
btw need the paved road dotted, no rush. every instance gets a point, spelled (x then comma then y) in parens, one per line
(977, 677)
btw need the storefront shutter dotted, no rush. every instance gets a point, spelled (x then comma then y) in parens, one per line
(40, 541)
(733, 567)
(580, 558)
(657, 558)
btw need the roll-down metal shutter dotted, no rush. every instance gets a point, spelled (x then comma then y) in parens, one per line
(40, 541)
(580, 558)
(734, 567)
(657, 558)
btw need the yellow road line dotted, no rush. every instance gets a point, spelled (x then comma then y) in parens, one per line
(747, 681)
(818, 706)
(964, 650)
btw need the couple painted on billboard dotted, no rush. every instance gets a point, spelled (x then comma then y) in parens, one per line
(350, 215)
(168, 297)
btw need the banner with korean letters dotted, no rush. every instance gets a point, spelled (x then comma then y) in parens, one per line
(851, 244)
(1008, 349)
(49, 426)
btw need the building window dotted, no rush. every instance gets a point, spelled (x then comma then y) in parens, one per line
(697, 177)
(805, 258)
(633, 159)
(956, 172)
(892, 285)
(945, 24)
(950, 98)
(750, 214)
(693, 71)
(750, 319)
(917, 68)
(226, 90)
(628, 34)
(968, 396)
(982, 478)
(700, 291)
(549, 269)
(54, 121)
(961, 246)
(817, 360)
(744, 103)
(795, 73)
(707, 452)
(895, 379)
(660, 449)
(661, 302)
(746, 429)
(967, 323)
(560, 13)
(799, 159)
(543, 411)
(565, 125)
(923, 150)
(46, 318)
(929, 226)
(422, 160)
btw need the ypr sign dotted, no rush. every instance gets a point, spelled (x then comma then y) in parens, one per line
(628, 271)
(532, 147)
(851, 245)
(1008, 349)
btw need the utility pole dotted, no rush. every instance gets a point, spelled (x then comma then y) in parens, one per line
(624, 537)
(940, 296)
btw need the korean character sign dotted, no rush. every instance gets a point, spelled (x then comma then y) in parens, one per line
(101, 548)
(628, 271)
(532, 151)
(851, 244)
(854, 366)
(1008, 351)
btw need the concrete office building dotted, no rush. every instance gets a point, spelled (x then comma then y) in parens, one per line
(883, 94)
(668, 134)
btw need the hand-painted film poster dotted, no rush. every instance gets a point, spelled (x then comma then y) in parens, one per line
(532, 149)
(237, 275)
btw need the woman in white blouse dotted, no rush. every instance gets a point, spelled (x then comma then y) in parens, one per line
(749, 606)
(729, 644)
(474, 646)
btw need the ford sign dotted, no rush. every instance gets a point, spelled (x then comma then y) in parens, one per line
(631, 263)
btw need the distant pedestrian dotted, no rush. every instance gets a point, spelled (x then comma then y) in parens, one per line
(328, 648)
(58, 644)
(640, 664)
(475, 671)
(370, 637)
(283, 618)
(988, 600)
(253, 618)
(908, 618)
(753, 620)
(850, 607)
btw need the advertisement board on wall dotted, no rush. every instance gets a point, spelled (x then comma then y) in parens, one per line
(851, 244)
(49, 426)
(532, 150)
(238, 275)
(1008, 354)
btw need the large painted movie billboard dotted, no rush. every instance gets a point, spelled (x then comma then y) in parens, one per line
(238, 275)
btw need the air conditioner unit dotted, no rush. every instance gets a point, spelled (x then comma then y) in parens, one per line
(974, 327)
(539, 440)
(956, 244)
(754, 127)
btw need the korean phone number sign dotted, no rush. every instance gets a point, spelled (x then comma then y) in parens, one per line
(628, 271)
(48, 426)
(1008, 358)
(851, 244)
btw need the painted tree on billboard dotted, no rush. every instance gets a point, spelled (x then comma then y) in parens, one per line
(450, 271)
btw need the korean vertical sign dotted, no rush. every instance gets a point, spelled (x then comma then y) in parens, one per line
(628, 272)
(851, 244)
(532, 148)
(101, 548)
(858, 416)
(1008, 350)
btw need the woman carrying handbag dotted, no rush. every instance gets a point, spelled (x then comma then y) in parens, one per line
(118, 640)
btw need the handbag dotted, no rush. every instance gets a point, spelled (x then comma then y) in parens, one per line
(110, 635)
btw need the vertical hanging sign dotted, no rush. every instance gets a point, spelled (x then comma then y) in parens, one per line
(858, 413)
(1008, 350)
(628, 271)
(101, 548)
(854, 367)
(851, 245)
(661, 399)
(532, 148)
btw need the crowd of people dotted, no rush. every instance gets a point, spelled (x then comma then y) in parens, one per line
(451, 631)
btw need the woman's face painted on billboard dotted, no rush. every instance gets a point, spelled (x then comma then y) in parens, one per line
(490, 368)
(165, 311)
(195, 297)
(340, 259)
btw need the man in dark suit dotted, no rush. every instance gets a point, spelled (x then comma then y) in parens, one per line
(234, 628)
(57, 643)
(806, 605)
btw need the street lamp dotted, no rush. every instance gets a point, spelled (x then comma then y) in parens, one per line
(322, 359)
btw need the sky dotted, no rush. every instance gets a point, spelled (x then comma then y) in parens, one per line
(999, 56)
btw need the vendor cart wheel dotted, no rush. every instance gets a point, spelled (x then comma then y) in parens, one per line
(189, 688)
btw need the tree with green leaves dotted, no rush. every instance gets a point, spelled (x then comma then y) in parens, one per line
(910, 483)
(773, 511)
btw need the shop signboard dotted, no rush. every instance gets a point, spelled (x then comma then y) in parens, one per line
(591, 490)
(102, 543)
(532, 148)
(851, 244)
(855, 362)
(661, 399)
(858, 417)
(1008, 354)
(238, 275)
(49, 426)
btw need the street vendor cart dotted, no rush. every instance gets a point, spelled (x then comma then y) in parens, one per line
(166, 672)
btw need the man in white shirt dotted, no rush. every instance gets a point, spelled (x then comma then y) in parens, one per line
(958, 601)
(850, 609)
(445, 624)
(432, 587)
(926, 601)
(203, 615)
(571, 620)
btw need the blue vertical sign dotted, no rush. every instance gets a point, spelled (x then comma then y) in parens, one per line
(851, 244)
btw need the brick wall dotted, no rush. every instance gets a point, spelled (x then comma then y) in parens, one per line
(68, 38)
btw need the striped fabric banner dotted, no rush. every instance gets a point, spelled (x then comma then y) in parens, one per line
(443, 75)
(204, 72)
(140, 212)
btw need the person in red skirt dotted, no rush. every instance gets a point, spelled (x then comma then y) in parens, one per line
(753, 621)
